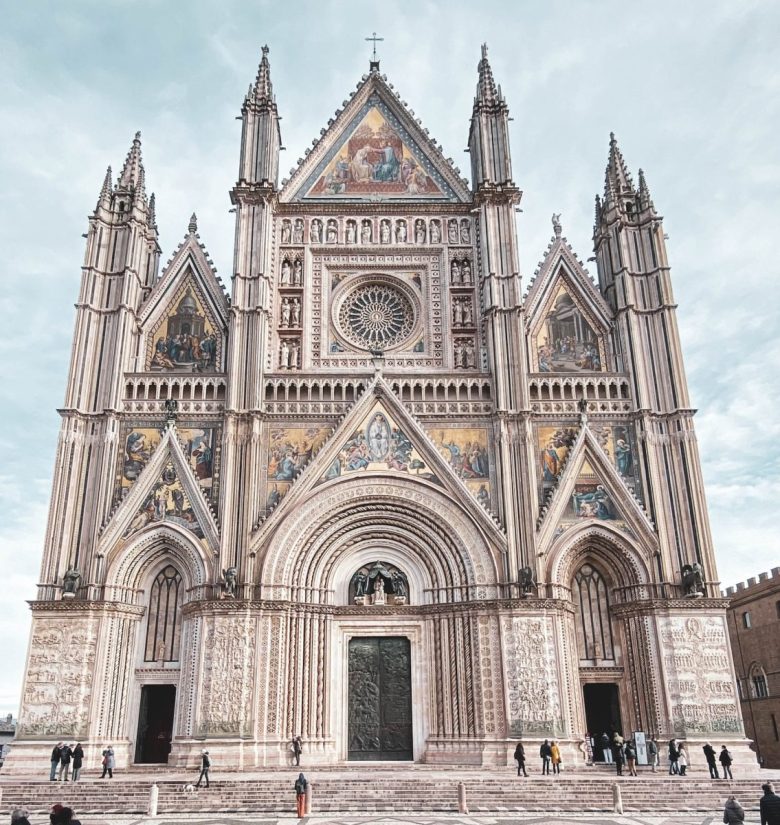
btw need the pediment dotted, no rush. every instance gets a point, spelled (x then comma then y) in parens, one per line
(165, 492)
(380, 438)
(591, 491)
(375, 150)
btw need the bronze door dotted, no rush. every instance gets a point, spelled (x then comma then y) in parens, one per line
(380, 699)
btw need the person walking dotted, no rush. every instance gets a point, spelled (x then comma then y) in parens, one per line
(300, 794)
(674, 755)
(78, 761)
(732, 812)
(652, 753)
(724, 757)
(109, 762)
(55, 761)
(712, 760)
(606, 747)
(205, 764)
(297, 749)
(682, 760)
(520, 758)
(618, 754)
(630, 751)
(66, 754)
(769, 805)
(555, 756)
(545, 751)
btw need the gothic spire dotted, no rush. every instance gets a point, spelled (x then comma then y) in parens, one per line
(488, 94)
(106, 188)
(645, 201)
(151, 218)
(263, 90)
(617, 180)
(133, 169)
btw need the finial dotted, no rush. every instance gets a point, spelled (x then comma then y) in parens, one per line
(151, 219)
(192, 228)
(265, 49)
(263, 89)
(133, 166)
(484, 51)
(374, 63)
(487, 93)
(556, 222)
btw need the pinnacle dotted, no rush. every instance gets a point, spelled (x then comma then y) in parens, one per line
(192, 228)
(263, 90)
(151, 218)
(487, 92)
(617, 178)
(644, 192)
(133, 169)
(105, 190)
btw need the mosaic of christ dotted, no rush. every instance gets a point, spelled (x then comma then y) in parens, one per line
(375, 161)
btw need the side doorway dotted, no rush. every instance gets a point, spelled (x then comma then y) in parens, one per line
(155, 724)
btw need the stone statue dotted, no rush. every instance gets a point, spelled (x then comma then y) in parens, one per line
(230, 581)
(332, 232)
(297, 278)
(556, 222)
(467, 272)
(284, 355)
(693, 580)
(527, 583)
(366, 234)
(351, 232)
(400, 231)
(452, 231)
(316, 231)
(171, 408)
(70, 582)
(286, 312)
(471, 355)
(284, 278)
(455, 276)
(582, 406)
(468, 316)
(457, 312)
(399, 585)
(419, 231)
(295, 351)
(384, 231)
(298, 231)
(286, 229)
(296, 312)
(435, 232)
(465, 231)
(379, 591)
(360, 580)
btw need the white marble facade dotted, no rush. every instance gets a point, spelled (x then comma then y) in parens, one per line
(516, 468)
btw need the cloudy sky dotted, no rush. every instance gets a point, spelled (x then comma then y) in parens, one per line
(692, 91)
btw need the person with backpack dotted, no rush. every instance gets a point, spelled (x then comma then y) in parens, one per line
(733, 813)
(724, 757)
(300, 795)
(520, 758)
(205, 764)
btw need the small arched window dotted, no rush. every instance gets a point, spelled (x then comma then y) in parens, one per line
(594, 629)
(758, 684)
(163, 629)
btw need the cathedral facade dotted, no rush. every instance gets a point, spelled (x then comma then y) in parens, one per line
(379, 495)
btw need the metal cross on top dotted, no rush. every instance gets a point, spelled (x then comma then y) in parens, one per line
(374, 39)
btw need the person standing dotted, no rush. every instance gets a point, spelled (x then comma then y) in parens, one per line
(108, 763)
(545, 751)
(732, 812)
(297, 749)
(65, 756)
(724, 757)
(682, 760)
(78, 761)
(712, 762)
(205, 764)
(630, 751)
(520, 758)
(606, 747)
(769, 805)
(652, 753)
(618, 755)
(300, 795)
(555, 756)
(674, 755)
(55, 761)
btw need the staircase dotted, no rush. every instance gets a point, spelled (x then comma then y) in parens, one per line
(383, 790)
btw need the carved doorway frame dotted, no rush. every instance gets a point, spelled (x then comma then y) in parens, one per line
(372, 626)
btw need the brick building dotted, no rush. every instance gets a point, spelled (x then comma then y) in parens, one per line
(754, 624)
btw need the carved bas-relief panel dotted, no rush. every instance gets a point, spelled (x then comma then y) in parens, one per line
(227, 695)
(532, 676)
(58, 689)
(698, 675)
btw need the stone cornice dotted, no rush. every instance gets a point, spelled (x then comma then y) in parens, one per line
(642, 606)
(85, 606)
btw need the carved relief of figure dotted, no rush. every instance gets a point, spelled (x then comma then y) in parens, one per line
(295, 353)
(284, 355)
(455, 276)
(286, 231)
(70, 582)
(399, 585)
(351, 234)
(400, 231)
(297, 276)
(459, 352)
(286, 312)
(465, 231)
(366, 232)
(379, 591)
(230, 581)
(457, 312)
(298, 231)
(384, 231)
(419, 231)
(452, 231)
(296, 312)
(360, 580)
(471, 354)
(468, 313)
(316, 231)
(435, 232)
(467, 278)
(332, 232)
(285, 277)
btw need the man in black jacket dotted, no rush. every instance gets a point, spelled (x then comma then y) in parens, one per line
(55, 761)
(545, 751)
(770, 805)
(712, 761)
(205, 764)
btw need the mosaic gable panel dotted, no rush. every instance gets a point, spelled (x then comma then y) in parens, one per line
(289, 450)
(466, 451)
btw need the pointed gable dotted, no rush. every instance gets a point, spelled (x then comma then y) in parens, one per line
(590, 490)
(375, 150)
(184, 319)
(568, 322)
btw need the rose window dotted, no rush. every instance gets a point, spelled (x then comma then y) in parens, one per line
(376, 316)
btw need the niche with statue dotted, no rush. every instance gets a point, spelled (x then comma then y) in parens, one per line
(379, 583)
